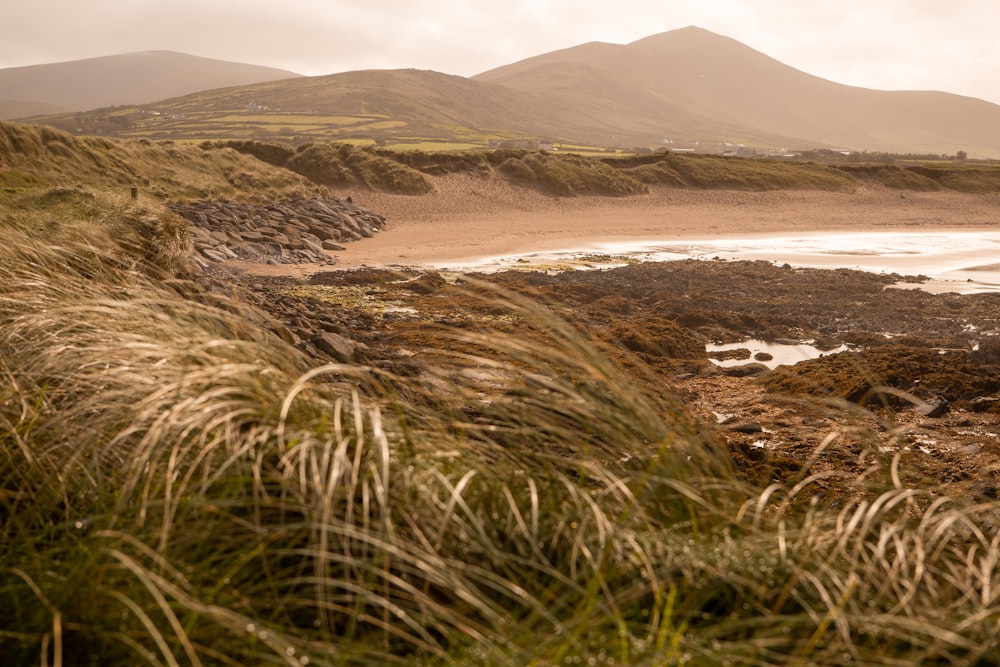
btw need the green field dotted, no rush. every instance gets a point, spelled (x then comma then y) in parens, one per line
(297, 128)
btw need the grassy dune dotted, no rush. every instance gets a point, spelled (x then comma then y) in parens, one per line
(180, 486)
(35, 157)
(569, 174)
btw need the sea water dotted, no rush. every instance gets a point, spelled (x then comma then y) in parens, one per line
(964, 262)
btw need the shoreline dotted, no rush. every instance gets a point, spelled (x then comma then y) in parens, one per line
(469, 219)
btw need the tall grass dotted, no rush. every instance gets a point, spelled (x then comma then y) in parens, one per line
(39, 156)
(345, 165)
(179, 486)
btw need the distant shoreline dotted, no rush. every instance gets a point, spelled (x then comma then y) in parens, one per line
(470, 218)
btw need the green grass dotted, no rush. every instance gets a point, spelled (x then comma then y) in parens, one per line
(178, 485)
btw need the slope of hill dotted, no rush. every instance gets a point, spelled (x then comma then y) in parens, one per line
(132, 78)
(692, 83)
(688, 86)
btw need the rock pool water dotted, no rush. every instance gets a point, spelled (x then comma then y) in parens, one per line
(780, 354)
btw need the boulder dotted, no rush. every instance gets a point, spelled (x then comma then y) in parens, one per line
(340, 348)
(933, 407)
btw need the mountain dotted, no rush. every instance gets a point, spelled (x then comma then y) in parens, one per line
(133, 78)
(691, 83)
(684, 86)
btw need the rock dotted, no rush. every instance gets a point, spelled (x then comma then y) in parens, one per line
(274, 249)
(745, 370)
(934, 407)
(213, 255)
(725, 355)
(425, 284)
(738, 426)
(340, 348)
(298, 231)
(323, 232)
(983, 403)
(313, 247)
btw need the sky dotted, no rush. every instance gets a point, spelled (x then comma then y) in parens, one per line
(946, 45)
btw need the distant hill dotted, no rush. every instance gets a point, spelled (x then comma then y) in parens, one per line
(683, 88)
(133, 78)
(691, 83)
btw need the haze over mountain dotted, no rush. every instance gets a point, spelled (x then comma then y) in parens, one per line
(132, 78)
(685, 86)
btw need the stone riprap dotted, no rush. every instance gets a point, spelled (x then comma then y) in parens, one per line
(294, 232)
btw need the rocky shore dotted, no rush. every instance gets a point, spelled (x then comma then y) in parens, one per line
(920, 379)
(304, 231)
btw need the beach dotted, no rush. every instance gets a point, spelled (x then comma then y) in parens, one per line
(468, 219)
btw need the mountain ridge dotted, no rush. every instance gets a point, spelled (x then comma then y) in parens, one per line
(130, 78)
(728, 82)
(689, 87)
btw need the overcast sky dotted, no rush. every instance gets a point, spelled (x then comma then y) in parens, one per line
(949, 45)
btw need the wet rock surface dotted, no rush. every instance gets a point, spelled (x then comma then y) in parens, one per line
(283, 233)
(920, 382)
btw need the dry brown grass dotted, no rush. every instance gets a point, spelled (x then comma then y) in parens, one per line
(39, 156)
(180, 486)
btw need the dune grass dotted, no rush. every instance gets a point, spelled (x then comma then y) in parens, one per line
(179, 486)
(718, 172)
(892, 176)
(33, 157)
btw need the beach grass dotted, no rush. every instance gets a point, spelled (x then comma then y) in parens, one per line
(178, 485)
(181, 486)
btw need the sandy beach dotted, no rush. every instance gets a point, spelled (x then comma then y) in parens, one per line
(469, 218)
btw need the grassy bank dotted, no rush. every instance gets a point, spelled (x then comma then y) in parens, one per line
(37, 156)
(568, 174)
(179, 485)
